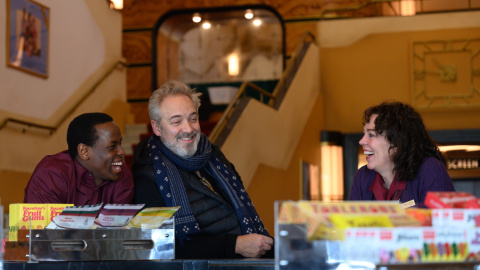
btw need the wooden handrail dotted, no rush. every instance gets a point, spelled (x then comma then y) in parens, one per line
(273, 102)
(51, 129)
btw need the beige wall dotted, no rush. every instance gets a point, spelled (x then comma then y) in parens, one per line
(377, 66)
(370, 66)
(270, 184)
(85, 42)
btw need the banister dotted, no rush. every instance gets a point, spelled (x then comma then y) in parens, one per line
(279, 89)
(119, 64)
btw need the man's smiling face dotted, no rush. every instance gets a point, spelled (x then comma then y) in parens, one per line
(106, 155)
(179, 128)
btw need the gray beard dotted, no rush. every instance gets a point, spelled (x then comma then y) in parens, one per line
(184, 152)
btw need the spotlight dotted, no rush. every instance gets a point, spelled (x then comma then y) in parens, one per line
(206, 25)
(115, 4)
(196, 17)
(248, 14)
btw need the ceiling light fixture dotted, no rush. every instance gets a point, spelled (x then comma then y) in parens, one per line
(248, 14)
(196, 17)
(206, 25)
(466, 148)
(115, 4)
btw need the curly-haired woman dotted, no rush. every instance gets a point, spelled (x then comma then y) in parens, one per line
(404, 163)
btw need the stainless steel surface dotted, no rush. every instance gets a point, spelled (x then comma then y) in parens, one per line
(102, 244)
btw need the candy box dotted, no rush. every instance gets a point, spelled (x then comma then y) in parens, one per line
(456, 218)
(445, 244)
(424, 216)
(473, 245)
(447, 199)
(473, 204)
(24, 214)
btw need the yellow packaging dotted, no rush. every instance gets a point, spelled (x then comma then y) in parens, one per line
(12, 222)
(54, 209)
(24, 214)
(289, 213)
(327, 220)
(153, 217)
(349, 221)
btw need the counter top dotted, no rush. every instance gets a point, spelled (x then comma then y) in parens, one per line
(233, 264)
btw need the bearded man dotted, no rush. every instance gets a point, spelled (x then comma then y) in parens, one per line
(179, 166)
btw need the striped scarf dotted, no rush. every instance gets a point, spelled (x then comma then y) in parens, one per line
(173, 192)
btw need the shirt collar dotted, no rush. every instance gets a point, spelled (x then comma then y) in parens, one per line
(382, 194)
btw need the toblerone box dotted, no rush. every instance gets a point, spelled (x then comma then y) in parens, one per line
(37, 214)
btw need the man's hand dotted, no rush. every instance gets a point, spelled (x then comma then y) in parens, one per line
(253, 245)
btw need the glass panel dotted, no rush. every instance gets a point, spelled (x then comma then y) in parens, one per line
(224, 46)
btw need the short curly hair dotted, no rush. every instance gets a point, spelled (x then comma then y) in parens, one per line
(403, 127)
(82, 130)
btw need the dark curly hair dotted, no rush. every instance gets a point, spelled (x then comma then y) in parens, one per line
(403, 127)
(82, 130)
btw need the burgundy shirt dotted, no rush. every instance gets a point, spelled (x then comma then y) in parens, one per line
(432, 176)
(61, 179)
(383, 194)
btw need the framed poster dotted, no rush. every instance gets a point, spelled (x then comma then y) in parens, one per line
(27, 36)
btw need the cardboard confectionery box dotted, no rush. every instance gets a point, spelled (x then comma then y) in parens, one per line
(57, 232)
(376, 232)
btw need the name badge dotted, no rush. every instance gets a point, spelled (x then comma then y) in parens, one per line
(408, 204)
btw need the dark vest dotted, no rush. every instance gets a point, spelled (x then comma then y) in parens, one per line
(214, 214)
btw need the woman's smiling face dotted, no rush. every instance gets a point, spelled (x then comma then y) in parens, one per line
(377, 148)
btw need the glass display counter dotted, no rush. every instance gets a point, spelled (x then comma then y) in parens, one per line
(317, 235)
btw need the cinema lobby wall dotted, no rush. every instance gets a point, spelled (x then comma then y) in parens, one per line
(374, 65)
(362, 62)
(85, 43)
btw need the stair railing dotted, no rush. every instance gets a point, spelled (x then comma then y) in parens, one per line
(276, 97)
(118, 65)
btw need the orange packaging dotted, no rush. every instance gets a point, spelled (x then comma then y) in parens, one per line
(452, 199)
(424, 216)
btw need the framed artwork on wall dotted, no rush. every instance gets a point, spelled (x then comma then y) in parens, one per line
(27, 36)
(446, 74)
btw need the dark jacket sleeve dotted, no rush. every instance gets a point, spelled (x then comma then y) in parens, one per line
(146, 191)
